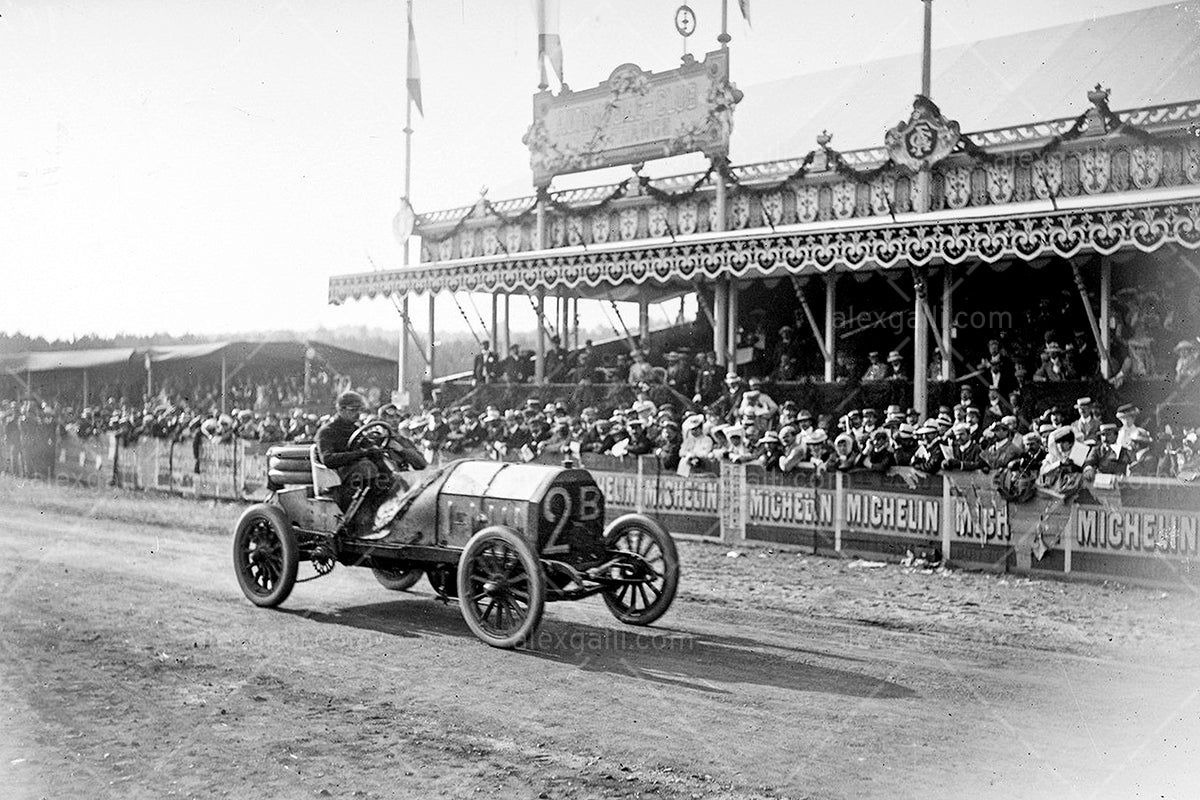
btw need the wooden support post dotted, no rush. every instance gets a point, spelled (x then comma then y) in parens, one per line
(947, 339)
(830, 349)
(644, 320)
(402, 396)
(432, 335)
(539, 363)
(575, 323)
(720, 318)
(495, 321)
(1087, 307)
(507, 327)
(920, 352)
(1105, 354)
(731, 330)
(812, 319)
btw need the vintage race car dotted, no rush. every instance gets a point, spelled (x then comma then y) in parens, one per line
(502, 538)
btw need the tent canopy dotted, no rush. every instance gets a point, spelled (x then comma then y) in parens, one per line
(339, 359)
(51, 361)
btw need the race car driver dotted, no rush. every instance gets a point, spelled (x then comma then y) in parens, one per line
(365, 477)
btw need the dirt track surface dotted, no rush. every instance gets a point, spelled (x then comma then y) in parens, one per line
(131, 666)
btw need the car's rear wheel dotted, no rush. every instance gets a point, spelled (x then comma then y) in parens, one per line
(501, 587)
(649, 564)
(397, 580)
(265, 555)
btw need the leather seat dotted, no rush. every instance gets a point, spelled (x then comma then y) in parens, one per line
(324, 478)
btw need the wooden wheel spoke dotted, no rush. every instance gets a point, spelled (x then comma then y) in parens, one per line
(641, 591)
(488, 611)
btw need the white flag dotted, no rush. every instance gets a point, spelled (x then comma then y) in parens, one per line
(414, 67)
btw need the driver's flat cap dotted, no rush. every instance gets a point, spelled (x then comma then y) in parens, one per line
(350, 400)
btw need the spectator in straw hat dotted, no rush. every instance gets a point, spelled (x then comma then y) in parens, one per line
(1142, 460)
(877, 453)
(1054, 366)
(877, 370)
(904, 444)
(1127, 415)
(736, 450)
(757, 402)
(768, 452)
(1087, 425)
(697, 445)
(641, 371)
(730, 401)
(794, 449)
(1138, 361)
(1005, 448)
(1187, 363)
(846, 455)
(964, 454)
(896, 366)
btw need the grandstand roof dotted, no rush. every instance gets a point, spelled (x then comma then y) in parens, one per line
(49, 361)
(339, 358)
(1146, 57)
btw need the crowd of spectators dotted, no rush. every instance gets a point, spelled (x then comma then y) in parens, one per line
(690, 415)
(744, 424)
(269, 409)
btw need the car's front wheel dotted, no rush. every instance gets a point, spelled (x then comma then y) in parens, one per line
(265, 555)
(647, 574)
(501, 587)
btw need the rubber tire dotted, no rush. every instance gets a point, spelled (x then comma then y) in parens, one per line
(289, 464)
(670, 553)
(537, 587)
(397, 580)
(288, 547)
(289, 451)
(289, 478)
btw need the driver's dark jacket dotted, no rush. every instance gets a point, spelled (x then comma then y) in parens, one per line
(333, 444)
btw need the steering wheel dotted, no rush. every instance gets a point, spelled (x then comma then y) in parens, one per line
(373, 434)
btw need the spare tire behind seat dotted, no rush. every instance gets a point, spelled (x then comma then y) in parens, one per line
(290, 451)
(280, 477)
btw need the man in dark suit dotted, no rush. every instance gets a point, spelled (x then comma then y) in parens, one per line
(362, 471)
(486, 365)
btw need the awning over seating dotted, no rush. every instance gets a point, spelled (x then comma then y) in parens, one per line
(51, 361)
(339, 359)
(658, 269)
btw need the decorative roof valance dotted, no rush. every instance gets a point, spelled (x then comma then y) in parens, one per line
(1064, 227)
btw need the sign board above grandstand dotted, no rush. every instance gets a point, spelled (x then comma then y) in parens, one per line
(634, 116)
(925, 139)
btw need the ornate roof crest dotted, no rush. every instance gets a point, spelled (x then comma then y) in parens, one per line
(925, 139)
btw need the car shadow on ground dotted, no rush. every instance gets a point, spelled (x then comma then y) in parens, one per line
(677, 657)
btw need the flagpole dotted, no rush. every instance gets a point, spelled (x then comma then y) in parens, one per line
(402, 355)
(408, 132)
(924, 182)
(927, 49)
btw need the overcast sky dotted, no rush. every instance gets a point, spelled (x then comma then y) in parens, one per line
(169, 165)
